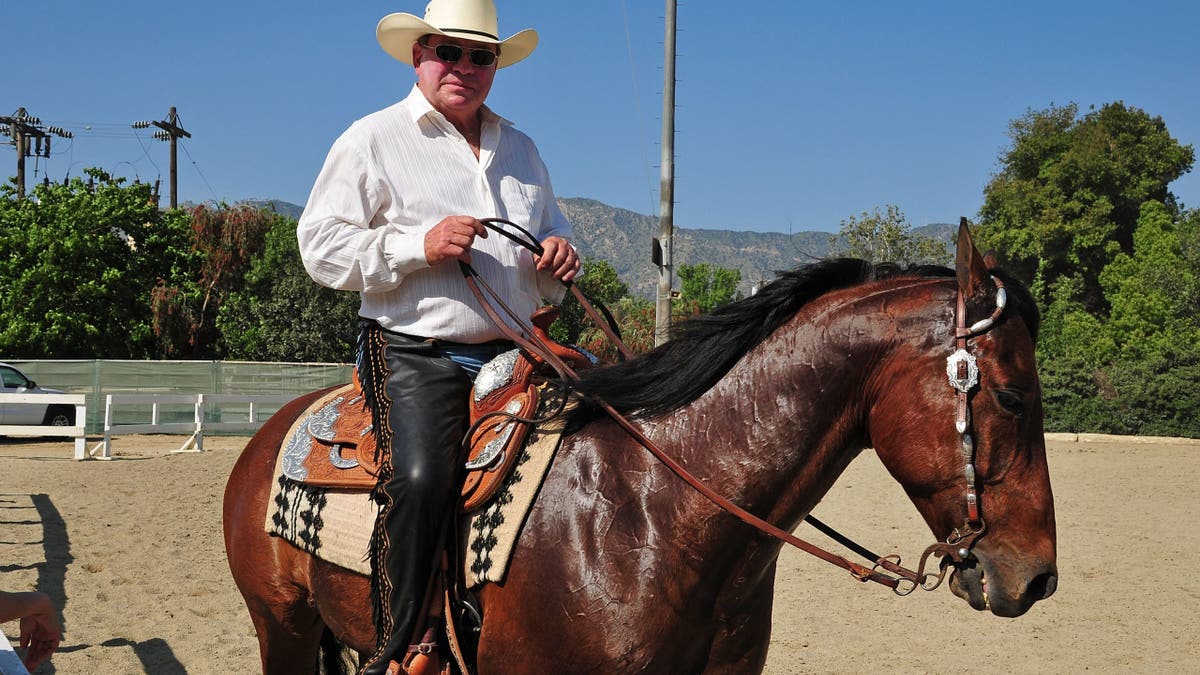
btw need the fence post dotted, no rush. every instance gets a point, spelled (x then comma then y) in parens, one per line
(200, 422)
(195, 443)
(81, 440)
(108, 406)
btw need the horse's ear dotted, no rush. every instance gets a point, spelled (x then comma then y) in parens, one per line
(969, 263)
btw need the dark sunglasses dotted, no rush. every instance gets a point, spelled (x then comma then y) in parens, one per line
(452, 53)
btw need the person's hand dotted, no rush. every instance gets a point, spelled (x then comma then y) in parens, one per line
(40, 632)
(560, 258)
(451, 239)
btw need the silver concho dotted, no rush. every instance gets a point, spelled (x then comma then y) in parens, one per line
(336, 459)
(495, 374)
(963, 384)
(494, 448)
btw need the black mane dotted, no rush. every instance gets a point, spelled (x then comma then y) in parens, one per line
(703, 349)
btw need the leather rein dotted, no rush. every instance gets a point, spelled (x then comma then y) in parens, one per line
(962, 371)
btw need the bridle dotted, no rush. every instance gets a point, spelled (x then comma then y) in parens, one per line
(962, 371)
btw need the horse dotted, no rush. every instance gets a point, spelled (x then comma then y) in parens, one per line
(622, 567)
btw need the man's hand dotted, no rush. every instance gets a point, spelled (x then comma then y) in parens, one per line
(559, 258)
(451, 239)
(40, 631)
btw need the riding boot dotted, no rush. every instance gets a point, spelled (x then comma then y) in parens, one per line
(419, 407)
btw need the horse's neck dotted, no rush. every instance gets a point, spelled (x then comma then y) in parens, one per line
(782, 425)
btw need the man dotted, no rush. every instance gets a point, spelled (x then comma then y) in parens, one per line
(394, 208)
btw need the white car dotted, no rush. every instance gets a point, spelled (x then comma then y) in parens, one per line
(30, 414)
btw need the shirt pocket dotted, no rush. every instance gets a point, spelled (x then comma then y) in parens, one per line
(523, 203)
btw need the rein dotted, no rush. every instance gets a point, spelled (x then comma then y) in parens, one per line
(963, 372)
(607, 324)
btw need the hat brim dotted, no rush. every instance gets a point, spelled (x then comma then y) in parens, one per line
(397, 33)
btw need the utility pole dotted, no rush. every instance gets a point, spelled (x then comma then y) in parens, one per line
(171, 131)
(30, 139)
(662, 251)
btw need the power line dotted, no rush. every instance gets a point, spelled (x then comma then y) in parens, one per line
(146, 152)
(169, 129)
(201, 173)
(171, 132)
(31, 139)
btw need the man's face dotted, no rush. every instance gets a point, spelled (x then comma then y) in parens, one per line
(457, 89)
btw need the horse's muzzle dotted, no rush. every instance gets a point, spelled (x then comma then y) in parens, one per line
(1010, 593)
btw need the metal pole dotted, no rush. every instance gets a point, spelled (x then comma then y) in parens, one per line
(22, 142)
(174, 173)
(662, 307)
(172, 133)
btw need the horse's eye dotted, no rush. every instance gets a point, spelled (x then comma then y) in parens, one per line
(1012, 401)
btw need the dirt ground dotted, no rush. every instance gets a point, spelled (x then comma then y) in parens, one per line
(131, 550)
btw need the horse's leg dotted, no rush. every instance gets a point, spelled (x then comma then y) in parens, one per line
(289, 636)
(740, 644)
(345, 601)
(273, 576)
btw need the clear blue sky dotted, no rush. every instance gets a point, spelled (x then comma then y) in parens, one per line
(791, 115)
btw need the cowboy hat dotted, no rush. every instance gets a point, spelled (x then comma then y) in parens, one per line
(466, 19)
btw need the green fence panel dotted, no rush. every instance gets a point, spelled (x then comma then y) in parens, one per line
(97, 378)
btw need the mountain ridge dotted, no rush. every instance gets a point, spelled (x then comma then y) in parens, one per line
(623, 238)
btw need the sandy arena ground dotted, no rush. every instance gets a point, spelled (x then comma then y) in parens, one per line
(131, 550)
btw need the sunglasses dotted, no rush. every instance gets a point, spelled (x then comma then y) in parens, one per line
(452, 53)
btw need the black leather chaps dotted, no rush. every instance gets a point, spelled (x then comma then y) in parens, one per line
(418, 402)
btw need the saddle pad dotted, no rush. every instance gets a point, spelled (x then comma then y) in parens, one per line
(333, 525)
(336, 525)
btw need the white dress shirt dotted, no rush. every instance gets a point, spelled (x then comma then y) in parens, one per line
(395, 174)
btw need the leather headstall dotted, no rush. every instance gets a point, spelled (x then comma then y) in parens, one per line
(962, 371)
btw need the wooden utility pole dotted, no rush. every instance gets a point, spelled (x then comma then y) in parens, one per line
(30, 140)
(663, 256)
(171, 131)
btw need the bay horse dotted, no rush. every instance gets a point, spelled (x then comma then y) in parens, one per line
(622, 567)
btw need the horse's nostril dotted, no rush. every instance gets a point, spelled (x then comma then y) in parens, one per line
(1043, 585)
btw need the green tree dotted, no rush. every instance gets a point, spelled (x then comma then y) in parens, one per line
(703, 287)
(1132, 370)
(1069, 191)
(1081, 210)
(1153, 323)
(600, 283)
(78, 263)
(1152, 290)
(281, 314)
(635, 316)
(1074, 350)
(886, 236)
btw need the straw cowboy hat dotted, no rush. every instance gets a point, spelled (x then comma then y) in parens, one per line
(466, 19)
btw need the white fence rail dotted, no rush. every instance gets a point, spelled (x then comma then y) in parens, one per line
(196, 427)
(77, 432)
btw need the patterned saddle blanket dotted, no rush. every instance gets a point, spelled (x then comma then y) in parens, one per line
(320, 499)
